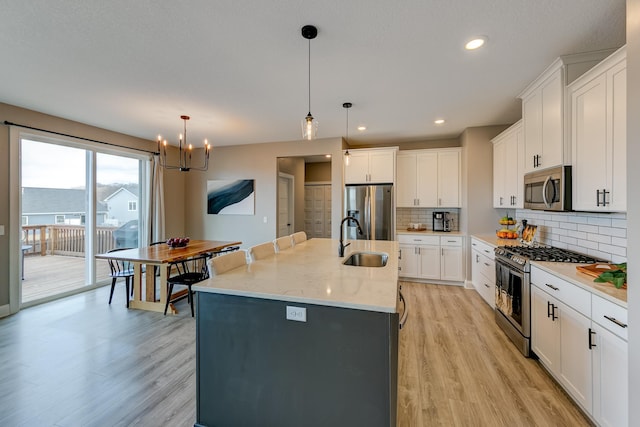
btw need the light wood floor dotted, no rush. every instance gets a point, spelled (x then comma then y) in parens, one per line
(81, 362)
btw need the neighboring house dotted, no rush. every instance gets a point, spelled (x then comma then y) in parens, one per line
(57, 206)
(122, 206)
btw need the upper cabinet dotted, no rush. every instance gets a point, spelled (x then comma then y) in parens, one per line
(374, 166)
(544, 111)
(508, 168)
(599, 137)
(429, 178)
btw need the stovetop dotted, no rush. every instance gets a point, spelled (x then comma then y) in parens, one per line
(521, 254)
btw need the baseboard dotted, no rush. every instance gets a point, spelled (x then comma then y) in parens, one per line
(5, 310)
(468, 284)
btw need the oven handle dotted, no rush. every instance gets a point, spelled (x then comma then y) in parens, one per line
(405, 312)
(544, 192)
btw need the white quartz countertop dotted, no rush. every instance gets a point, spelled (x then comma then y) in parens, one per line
(568, 272)
(311, 272)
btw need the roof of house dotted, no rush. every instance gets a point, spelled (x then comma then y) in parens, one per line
(36, 200)
(120, 190)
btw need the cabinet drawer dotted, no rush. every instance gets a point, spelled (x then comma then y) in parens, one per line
(568, 293)
(610, 316)
(483, 248)
(451, 241)
(418, 239)
(486, 266)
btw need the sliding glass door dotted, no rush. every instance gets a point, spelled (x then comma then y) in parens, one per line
(76, 201)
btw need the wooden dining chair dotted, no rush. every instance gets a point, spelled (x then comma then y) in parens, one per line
(121, 270)
(262, 251)
(298, 237)
(189, 272)
(223, 263)
(282, 243)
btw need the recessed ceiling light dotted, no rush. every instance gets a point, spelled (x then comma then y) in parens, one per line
(439, 121)
(361, 128)
(475, 43)
(328, 156)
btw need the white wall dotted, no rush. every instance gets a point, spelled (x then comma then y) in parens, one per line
(633, 203)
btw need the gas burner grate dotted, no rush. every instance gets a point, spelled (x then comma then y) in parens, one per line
(552, 254)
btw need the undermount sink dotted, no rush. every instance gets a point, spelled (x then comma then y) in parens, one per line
(367, 259)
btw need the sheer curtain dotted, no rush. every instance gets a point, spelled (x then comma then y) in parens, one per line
(156, 202)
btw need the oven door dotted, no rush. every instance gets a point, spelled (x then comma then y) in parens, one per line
(512, 296)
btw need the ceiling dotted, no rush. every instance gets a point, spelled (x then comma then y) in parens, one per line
(239, 67)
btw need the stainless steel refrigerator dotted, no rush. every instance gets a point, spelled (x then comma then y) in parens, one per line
(372, 206)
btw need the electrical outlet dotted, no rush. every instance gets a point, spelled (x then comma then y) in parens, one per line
(299, 314)
(264, 219)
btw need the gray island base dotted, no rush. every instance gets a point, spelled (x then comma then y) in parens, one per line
(255, 367)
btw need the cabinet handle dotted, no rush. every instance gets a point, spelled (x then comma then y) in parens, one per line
(616, 321)
(549, 305)
(553, 312)
(477, 258)
(552, 287)
(591, 334)
(597, 197)
(487, 285)
(500, 201)
(487, 264)
(604, 197)
(486, 251)
(400, 257)
(441, 251)
(439, 202)
(403, 319)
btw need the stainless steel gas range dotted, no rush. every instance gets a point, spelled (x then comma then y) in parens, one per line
(513, 286)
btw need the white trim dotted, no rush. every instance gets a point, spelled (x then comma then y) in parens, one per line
(5, 310)
(15, 220)
(291, 180)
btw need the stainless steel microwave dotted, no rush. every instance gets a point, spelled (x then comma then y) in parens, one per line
(548, 189)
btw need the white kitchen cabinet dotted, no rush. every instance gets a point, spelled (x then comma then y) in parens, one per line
(452, 259)
(431, 257)
(544, 106)
(317, 210)
(610, 364)
(370, 166)
(542, 116)
(560, 338)
(598, 136)
(429, 178)
(483, 270)
(508, 168)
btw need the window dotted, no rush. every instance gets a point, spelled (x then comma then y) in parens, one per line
(25, 220)
(59, 219)
(133, 206)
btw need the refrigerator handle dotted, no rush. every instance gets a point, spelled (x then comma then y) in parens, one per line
(367, 212)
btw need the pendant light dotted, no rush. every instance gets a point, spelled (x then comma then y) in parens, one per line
(309, 124)
(347, 156)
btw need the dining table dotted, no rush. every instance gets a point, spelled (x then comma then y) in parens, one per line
(146, 259)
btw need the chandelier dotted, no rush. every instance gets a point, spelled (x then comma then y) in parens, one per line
(185, 152)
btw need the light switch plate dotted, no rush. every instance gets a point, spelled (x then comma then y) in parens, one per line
(299, 314)
(1, 230)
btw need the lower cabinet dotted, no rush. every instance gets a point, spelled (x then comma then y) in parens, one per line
(483, 271)
(431, 257)
(581, 339)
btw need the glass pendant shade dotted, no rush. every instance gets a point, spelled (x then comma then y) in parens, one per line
(347, 156)
(309, 127)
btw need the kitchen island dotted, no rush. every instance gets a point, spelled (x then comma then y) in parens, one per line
(300, 339)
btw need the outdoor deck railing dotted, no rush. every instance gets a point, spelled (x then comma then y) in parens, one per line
(54, 239)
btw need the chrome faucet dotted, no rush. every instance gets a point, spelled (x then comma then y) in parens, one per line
(342, 245)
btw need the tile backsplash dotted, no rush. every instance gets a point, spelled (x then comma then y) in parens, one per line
(406, 216)
(597, 234)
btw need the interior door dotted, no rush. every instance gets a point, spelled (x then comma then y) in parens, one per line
(285, 203)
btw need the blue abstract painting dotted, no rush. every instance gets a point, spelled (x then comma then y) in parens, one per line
(225, 197)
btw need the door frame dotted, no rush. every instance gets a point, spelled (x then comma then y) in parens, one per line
(291, 202)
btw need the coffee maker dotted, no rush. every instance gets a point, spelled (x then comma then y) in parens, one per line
(441, 221)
